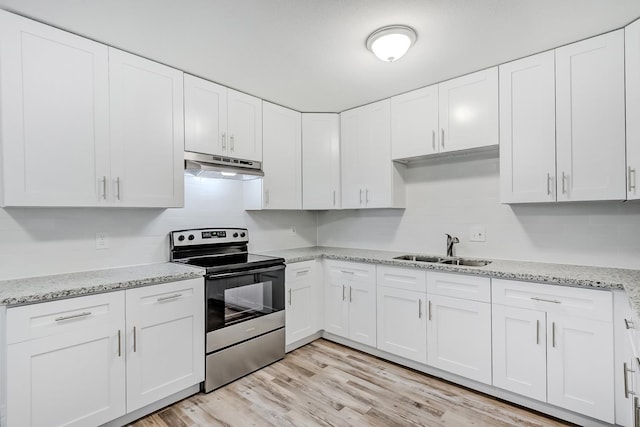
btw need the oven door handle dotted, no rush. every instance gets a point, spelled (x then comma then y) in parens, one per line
(244, 273)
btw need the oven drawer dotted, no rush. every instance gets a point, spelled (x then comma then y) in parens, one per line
(233, 334)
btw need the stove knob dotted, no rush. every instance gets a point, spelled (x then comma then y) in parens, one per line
(235, 234)
(191, 237)
(181, 238)
(243, 234)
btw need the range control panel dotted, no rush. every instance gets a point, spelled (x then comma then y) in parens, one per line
(209, 236)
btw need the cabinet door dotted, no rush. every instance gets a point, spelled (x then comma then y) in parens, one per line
(147, 132)
(459, 337)
(469, 111)
(352, 127)
(72, 372)
(302, 305)
(632, 64)
(414, 123)
(520, 351)
(374, 149)
(54, 109)
(205, 116)
(165, 340)
(402, 323)
(528, 130)
(244, 123)
(336, 306)
(590, 119)
(362, 312)
(320, 161)
(580, 365)
(282, 160)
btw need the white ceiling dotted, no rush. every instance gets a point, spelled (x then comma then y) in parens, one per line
(310, 55)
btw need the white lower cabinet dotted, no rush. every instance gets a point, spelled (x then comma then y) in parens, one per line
(301, 300)
(76, 362)
(459, 329)
(555, 344)
(402, 317)
(350, 301)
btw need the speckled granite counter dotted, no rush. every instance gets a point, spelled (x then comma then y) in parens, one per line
(46, 288)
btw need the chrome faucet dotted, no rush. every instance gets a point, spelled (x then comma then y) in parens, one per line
(450, 242)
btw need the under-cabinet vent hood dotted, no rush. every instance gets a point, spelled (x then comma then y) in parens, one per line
(212, 166)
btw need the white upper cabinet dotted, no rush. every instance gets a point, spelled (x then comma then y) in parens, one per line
(147, 134)
(632, 62)
(320, 161)
(414, 123)
(54, 106)
(282, 164)
(469, 111)
(369, 178)
(205, 116)
(244, 124)
(528, 130)
(590, 109)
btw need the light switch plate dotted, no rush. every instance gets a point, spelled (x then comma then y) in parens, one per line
(477, 234)
(102, 240)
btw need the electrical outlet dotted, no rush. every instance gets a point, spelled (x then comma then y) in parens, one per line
(476, 234)
(102, 240)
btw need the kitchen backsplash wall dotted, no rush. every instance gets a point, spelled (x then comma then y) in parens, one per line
(39, 241)
(452, 195)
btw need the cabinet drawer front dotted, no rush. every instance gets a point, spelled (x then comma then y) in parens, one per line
(590, 303)
(353, 271)
(459, 286)
(403, 278)
(300, 271)
(167, 300)
(65, 316)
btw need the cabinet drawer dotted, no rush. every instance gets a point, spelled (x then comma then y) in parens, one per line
(299, 271)
(409, 279)
(589, 303)
(167, 300)
(64, 316)
(459, 286)
(352, 271)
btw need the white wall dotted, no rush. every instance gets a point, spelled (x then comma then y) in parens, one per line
(450, 195)
(39, 241)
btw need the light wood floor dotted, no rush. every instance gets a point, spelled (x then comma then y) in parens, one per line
(324, 383)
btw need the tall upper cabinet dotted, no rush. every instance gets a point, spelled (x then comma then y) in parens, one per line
(632, 62)
(320, 161)
(369, 178)
(54, 95)
(563, 132)
(221, 121)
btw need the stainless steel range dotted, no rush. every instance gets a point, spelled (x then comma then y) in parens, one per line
(244, 301)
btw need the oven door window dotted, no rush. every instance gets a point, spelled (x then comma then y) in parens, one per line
(235, 299)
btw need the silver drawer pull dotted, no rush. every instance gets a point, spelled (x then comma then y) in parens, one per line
(347, 272)
(300, 272)
(628, 324)
(554, 301)
(73, 316)
(169, 297)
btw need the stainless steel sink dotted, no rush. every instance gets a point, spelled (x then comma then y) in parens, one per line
(441, 260)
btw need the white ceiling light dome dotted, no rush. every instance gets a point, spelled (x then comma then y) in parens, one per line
(392, 42)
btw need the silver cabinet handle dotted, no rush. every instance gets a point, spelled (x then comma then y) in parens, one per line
(104, 187)
(73, 316)
(442, 140)
(170, 297)
(224, 141)
(289, 297)
(553, 334)
(564, 188)
(266, 197)
(300, 272)
(554, 301)
(343, 288)
(361, 196)
(419, 309)
(350, 294)
(118, 188)
(548, 184)
(119, 343)
(627, 392)
(334, 197)
(631, 182)
(433, 140)
(366, 196)
(429, 310)
(347, 272)
(232, 145)
(135, 340)
(537, 332)
(636, 412)
(628, 324)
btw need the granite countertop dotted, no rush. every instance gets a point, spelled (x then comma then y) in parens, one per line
(47, 288)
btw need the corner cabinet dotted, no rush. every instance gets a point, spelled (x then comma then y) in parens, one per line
(369, 178)
(78, 362)
(632, 63)
(281, 187)
(320, 161)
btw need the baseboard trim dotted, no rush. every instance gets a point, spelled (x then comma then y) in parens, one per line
(303, 341)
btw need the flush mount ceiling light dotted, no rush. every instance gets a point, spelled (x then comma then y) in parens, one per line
(392, 42)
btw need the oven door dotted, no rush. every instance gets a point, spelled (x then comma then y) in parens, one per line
(243, 304)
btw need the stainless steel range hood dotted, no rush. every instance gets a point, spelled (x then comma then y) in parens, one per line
(212, 166)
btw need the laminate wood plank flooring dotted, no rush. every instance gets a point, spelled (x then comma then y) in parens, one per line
(327, 384)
